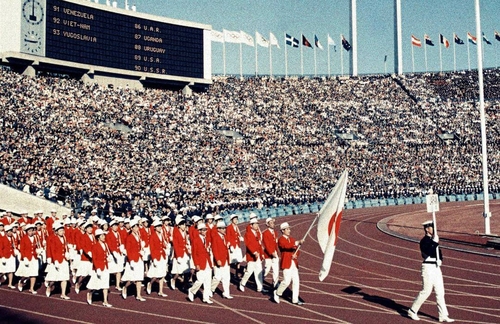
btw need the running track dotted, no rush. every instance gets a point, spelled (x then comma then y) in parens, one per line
(374, 279)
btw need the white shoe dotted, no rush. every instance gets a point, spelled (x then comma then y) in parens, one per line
(276, 298)
(241, 288)
(413, 315)
(446, 320)
(228, 296)
(148, 288)
(208, 301)
(172, 284)
(190, 295)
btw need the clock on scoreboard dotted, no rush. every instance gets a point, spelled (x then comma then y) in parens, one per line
(84, 34)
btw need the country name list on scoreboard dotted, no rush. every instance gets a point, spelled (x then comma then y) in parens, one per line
(122, 38)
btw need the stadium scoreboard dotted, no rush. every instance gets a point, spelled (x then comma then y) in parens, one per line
(99, 35)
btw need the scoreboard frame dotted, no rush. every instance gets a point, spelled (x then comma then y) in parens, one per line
(115, 40)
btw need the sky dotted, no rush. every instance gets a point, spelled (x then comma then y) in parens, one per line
(375, 26)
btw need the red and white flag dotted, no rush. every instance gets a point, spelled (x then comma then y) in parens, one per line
(329, 220)
(415, 41)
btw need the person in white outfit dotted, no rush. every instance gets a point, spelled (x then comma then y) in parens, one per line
(432, 277)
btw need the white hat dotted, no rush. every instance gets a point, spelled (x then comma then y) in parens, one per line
(87, 224)
(143, 219)
(209, 216)
(95, 218)
(221, 224)
(157, 223)
(196, 218)
(202, 226)
(253, 215)
(99, 232)
(233, 216)
(284, 226)
(29, 226)
(57, 225)
(126, 220)
(179, 220)
(113, 222)
(428, 224)
(67, 221)
(134, 222)
(8, 227)
(254, 221)
(38, 221)
(269, 219)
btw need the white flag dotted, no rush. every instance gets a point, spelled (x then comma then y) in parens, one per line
(260, 40)
(331, 41)
(273, 40)
(217, 36)
(232, 36)
(329, 220)
(246, 39)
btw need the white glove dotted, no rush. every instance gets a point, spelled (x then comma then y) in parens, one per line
(116, 255)
(122, 249)
(439, 262)
(16, 252)
(143, 244)
(4, 261)
(132, 266)
(90, 254)
(436, 238)
(56, 264)
(242, 239)
(154, 263)
(49, 260)
(99, 272)
(179, 259)
(141, 252)
(66, 255)
(26, 262)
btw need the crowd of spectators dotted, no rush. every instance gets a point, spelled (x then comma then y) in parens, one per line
(158, 151)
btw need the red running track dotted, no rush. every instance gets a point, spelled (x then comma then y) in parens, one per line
(374, 279)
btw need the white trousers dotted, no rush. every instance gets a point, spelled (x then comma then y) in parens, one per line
(255, 268)
(272, 264)
(290, 275)
(222, 274)
(203, 277)
(432, 277)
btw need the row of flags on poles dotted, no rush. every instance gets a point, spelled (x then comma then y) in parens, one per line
(444, 41)
(240, 37)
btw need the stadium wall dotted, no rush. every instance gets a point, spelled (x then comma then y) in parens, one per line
(18, 201)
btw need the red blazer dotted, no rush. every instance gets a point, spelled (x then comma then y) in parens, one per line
(69, 232)
(99, 256)
(114, 240)
(6, 246)
(133, 247)
(270, 242)
(86, 243)
(7, 220)
(179, 242)
(253, 244)
(166, 233)
(145, 233)
(56, 249)
(28, 248)
(49, 222)
(123, 233)
(287, 248)
(157, 246)
(233, 235)
(220, 250)
(200, 253)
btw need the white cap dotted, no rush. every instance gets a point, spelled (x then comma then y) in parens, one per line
(57, 225)
(157, 223)
(209, 216)
(179, 219)
(233, 216)
(254, 221)
(221, 224)
(196, 218)
(284, 226)
(99, 232)
(269, 219)
(202, 226)
(134, 222)
(253, 215)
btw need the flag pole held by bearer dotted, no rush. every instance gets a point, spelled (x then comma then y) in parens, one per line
(432, 201)
(329, 218)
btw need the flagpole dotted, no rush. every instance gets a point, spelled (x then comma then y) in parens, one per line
(412, 59)
(425, 53)
(468, 51)
(307, 233)
(487, 213)
(270, 57)
(341, 57)
(315, 74)
(440, 56)
(241, 62)
(328, 43)
(286, 57)
(454, 53)
(256, 60)
(301, 54)
(224, 57)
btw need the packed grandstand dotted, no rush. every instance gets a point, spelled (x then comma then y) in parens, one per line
(244, 143)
